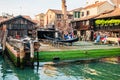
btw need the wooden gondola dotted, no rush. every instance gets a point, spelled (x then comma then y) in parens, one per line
(69, 40)
(61, 40)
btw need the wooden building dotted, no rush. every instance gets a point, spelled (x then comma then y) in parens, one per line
(18, 25)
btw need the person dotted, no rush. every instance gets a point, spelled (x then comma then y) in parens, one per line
(83, 37)
(17, 37)
(70, 36)
(104, 39)
(98, 38)
(65, 36)
(94, 36)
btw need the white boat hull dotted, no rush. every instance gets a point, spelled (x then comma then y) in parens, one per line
(1, 48)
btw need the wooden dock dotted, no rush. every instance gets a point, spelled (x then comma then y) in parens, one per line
(21, 53)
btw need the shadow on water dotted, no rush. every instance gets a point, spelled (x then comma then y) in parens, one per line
(105, 69)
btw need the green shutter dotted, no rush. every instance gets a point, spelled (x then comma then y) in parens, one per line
(78, 14)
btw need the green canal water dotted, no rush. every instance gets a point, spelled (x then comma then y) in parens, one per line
(68, 71)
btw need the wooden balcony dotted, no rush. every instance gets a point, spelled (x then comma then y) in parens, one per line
(108, 28)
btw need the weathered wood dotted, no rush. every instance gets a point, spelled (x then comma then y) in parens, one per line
(18, 26)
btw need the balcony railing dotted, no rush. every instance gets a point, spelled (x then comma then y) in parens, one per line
(107, 27)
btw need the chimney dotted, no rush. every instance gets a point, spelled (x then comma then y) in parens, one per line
(116, 2)
(64, 9)
(64, 12)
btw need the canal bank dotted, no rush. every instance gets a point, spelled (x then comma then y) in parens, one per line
(79, 51)
(78, 54)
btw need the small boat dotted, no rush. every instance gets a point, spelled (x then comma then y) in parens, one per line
(69, 40)
(1, 49)
(61, 40)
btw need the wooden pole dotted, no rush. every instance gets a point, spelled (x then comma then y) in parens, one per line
(22, 55)
(32, 53)
(36, 49)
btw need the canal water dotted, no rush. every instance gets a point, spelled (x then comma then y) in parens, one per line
(103, 70)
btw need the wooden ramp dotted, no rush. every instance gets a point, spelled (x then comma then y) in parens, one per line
(3, 36)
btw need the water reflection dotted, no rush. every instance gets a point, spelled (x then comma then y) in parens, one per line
(106, 69)
(10, 72)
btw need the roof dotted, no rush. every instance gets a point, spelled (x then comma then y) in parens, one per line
(77, 9)
(40, 14)
(113, 13)
(9, 19)
(58, 11)
(27, 17)
(88, 17)
(95, 5)
(3, 19)
(35, 21)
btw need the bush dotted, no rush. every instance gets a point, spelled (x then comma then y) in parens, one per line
(103, 22)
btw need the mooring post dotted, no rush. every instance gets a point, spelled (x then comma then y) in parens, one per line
(32, 53)
(37, 58)
(22, 55)
(36, 49)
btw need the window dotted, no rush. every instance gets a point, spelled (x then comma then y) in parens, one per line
(82, 13)
(70, 16)
(59, 16)
(76, 14)
(88, 13)
(50, 16)
(42, 17)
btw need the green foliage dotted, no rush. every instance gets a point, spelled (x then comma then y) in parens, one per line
(103, 22)
(100, 22)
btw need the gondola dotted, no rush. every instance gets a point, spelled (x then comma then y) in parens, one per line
(69, 40)
(61, 40)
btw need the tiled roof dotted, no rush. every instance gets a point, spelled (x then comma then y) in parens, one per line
(95, 5)
(25, 17)
(35, 21)
(3, 19)
(88, 17)
(58, 11)
(40, 14)
(115, 12)
(77, 9)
